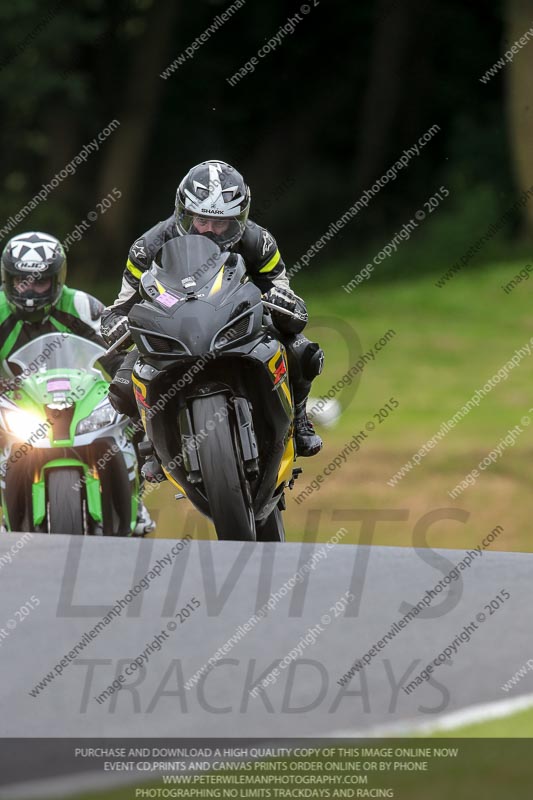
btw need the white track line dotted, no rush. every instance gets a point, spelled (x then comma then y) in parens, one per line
(482, 712)
(65, 786)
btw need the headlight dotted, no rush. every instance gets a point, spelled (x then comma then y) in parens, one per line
(100, 417)
(23, 425)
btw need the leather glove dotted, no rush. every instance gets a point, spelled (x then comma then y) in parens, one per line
(287, 299)
(112, 327)
(283, 298)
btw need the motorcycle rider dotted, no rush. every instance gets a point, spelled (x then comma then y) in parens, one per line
(34, 301)
(213, 200)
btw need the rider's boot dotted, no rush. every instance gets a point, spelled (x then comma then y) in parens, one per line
(152, 471)
(307, 441)
(145, 523)
(306, 360)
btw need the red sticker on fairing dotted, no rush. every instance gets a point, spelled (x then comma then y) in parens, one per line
(140, 399)
(281, 370)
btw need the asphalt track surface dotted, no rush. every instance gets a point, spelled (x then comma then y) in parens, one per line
(76, 581)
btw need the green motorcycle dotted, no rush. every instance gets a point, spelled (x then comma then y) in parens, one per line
(67, 463)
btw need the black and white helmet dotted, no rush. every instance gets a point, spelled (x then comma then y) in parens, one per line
(33, 269)
(214, 200)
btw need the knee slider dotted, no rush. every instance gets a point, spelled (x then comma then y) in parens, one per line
(312, 361)
(307, 357)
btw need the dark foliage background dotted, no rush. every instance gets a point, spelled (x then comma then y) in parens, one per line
(319, 120)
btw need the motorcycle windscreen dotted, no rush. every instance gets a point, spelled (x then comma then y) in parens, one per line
(62, 351)
(189, 262)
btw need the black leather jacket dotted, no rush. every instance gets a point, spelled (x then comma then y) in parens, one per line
(257, 247)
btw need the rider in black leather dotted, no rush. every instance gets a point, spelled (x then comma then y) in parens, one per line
(213, 200)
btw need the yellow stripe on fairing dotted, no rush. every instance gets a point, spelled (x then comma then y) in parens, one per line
(141, 386)
(285, 467)
(274, 261)
(285, 388)
(218, 283)
(174, 481)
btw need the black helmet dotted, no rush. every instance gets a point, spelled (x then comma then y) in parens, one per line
(33, 269)
(210, 195)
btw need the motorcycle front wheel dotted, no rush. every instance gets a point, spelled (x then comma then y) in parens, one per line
(272, 528)
(222, 469)
(65, 502)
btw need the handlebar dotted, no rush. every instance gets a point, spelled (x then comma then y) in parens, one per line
(118, 343)
(126, 336)
(279, 310)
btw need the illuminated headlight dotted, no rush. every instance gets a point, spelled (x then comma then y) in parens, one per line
(100, 418)
(23, 425)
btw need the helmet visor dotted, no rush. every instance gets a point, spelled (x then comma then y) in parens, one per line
(224, 231)
(27, 288)
(30, 292)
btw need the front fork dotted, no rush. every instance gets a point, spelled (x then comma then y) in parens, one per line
(89, 479)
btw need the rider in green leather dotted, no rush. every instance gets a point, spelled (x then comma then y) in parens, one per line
(35, 301)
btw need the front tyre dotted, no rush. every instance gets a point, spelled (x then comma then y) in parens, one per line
(222, 469)
(272, 528)
(65, 502)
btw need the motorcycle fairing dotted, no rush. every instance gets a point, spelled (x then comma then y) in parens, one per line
(211, 331)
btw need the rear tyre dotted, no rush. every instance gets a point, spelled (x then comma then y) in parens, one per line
(65, 502)
(223, 475)
(272, 528)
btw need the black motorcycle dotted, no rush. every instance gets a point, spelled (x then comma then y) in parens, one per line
(212, 387)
